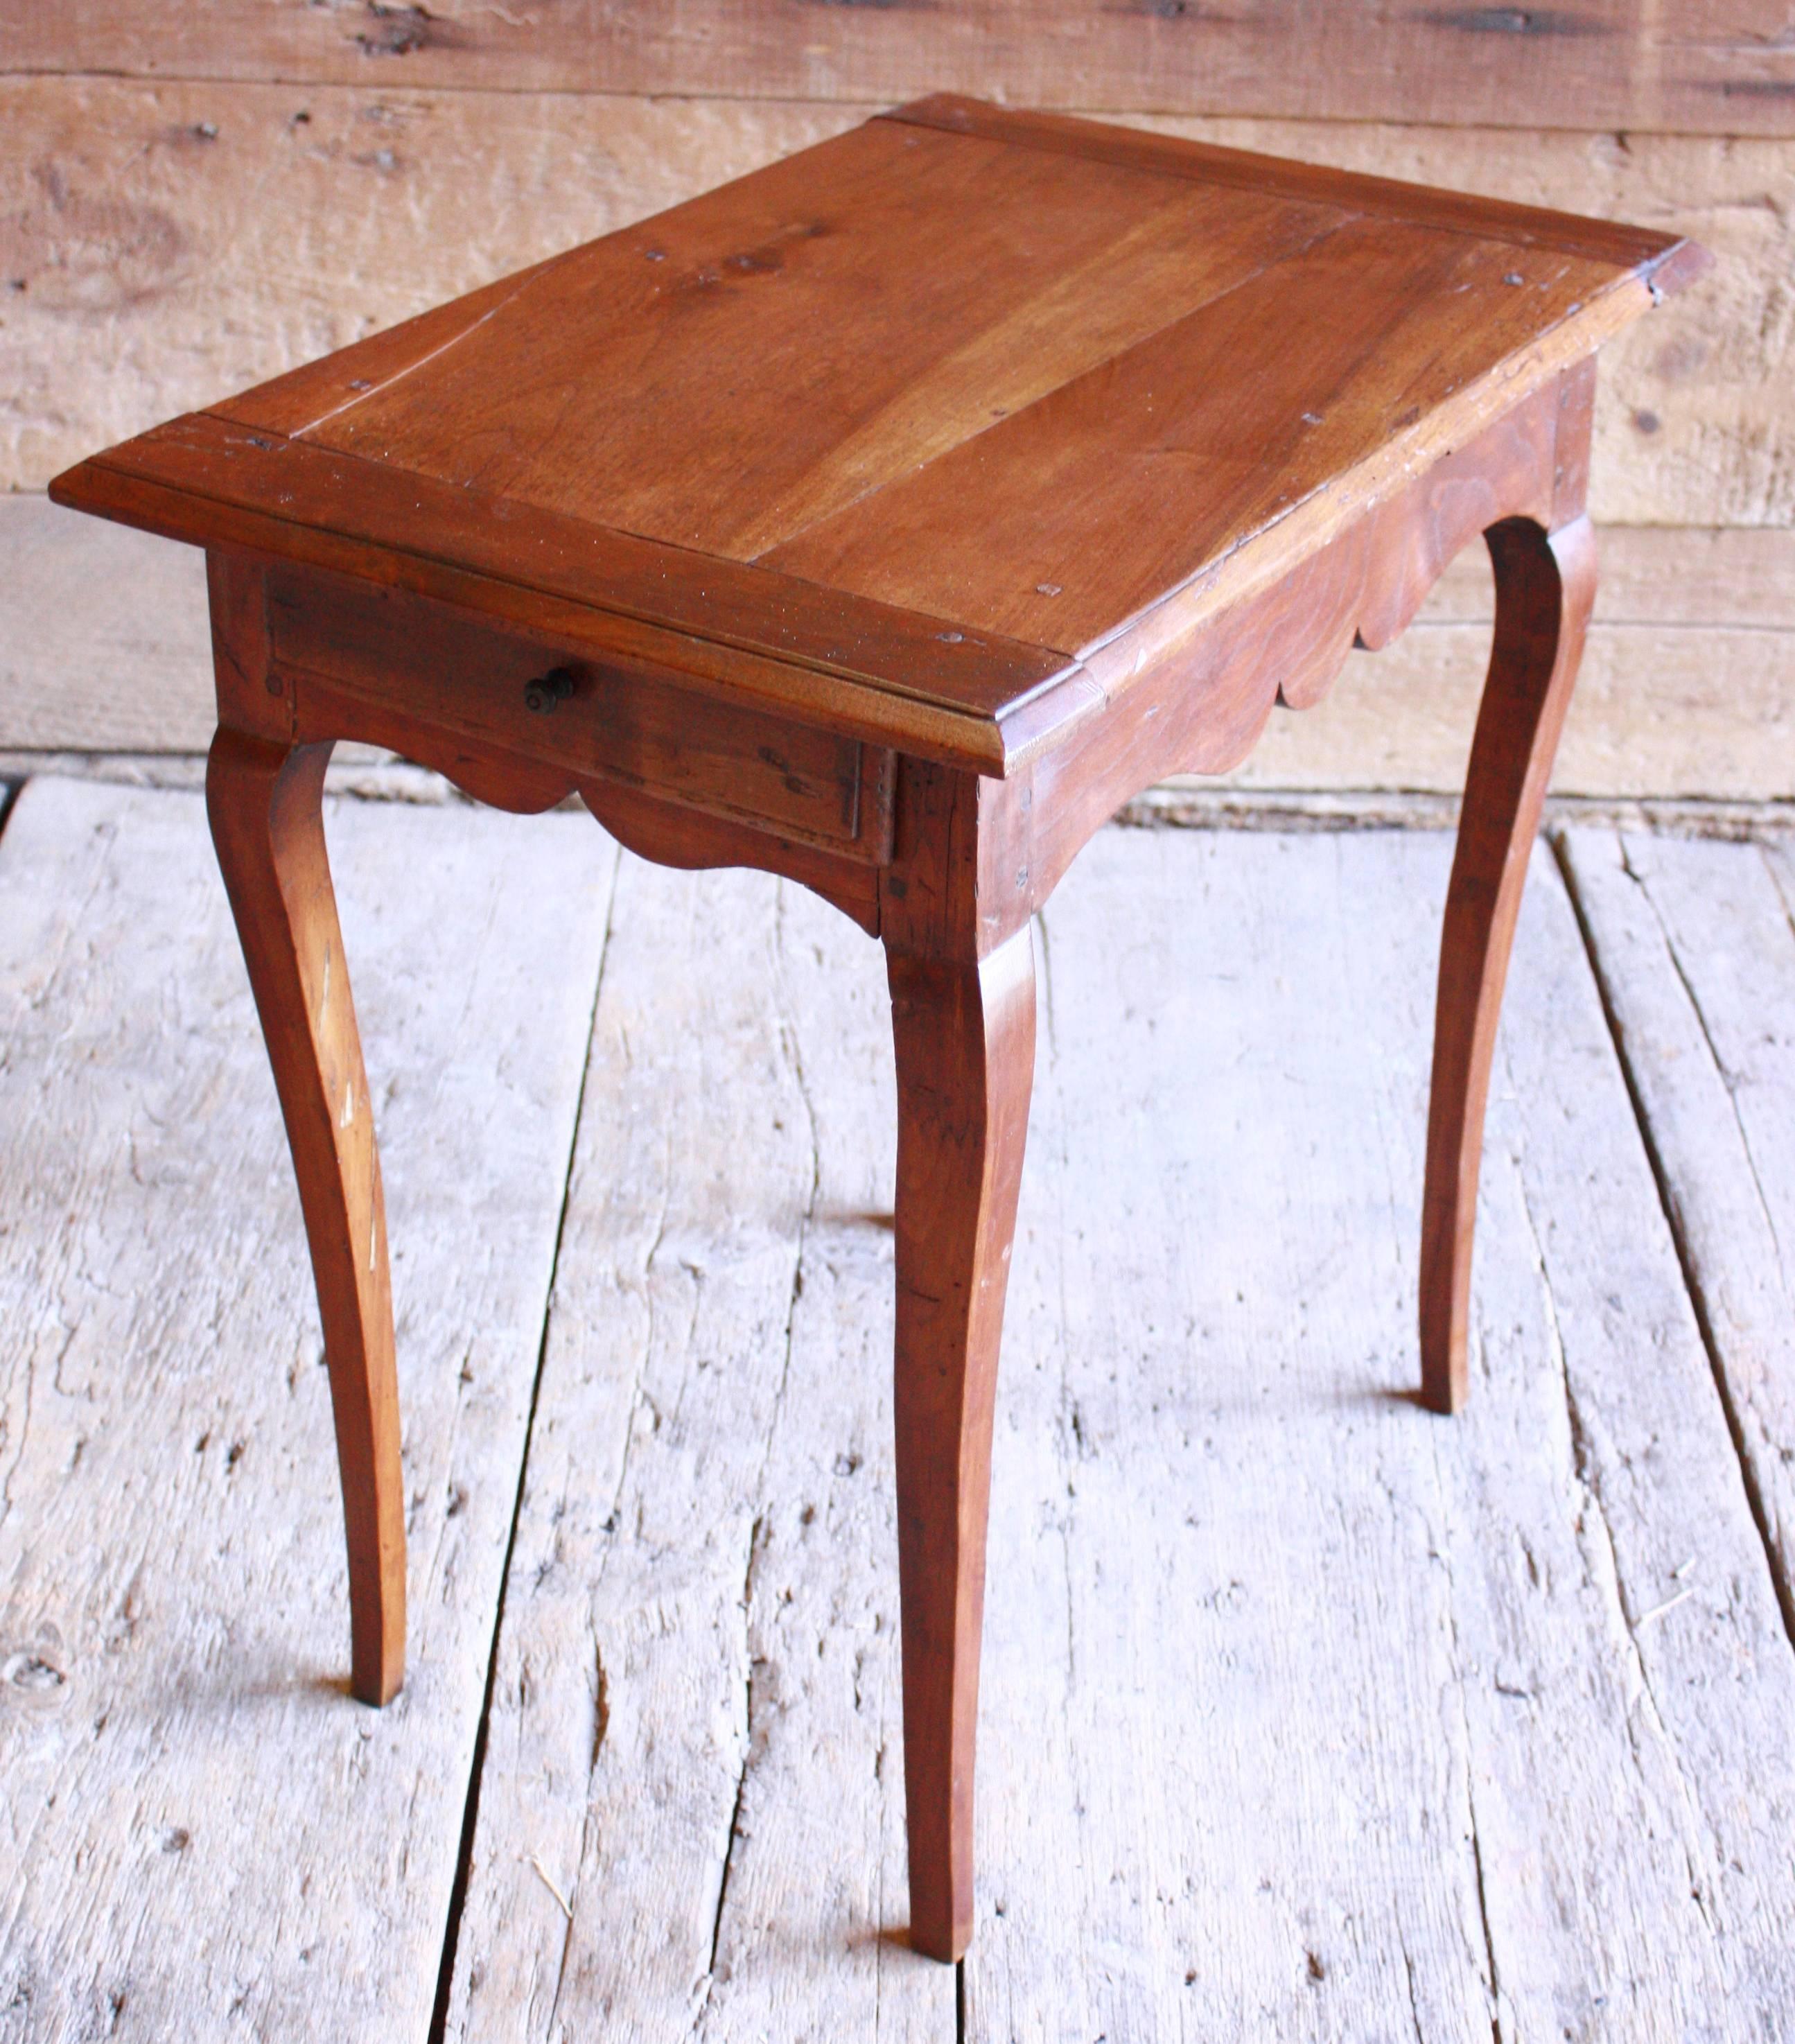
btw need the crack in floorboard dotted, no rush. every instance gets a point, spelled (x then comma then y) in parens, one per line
(470, 1814)
(1441, 1551)
(734, 1832)
(1587, 1476)
(794, 1059)
(1695, 1008)
(1693, 1288)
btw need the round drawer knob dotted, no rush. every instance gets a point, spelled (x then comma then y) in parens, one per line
(547, 690)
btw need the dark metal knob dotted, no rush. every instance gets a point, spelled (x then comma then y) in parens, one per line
(547, 690)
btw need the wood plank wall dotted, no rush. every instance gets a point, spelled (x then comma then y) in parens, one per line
(194, 198)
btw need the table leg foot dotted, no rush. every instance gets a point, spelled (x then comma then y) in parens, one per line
(1544, 587)
(965, 1037)
(264, 803)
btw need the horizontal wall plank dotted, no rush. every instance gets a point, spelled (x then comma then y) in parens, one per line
(1688, 687)
(162, 246)
(1659, 710)
(1698, 67)
(1655, 574)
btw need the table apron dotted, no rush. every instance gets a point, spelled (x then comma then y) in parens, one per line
(416, 668)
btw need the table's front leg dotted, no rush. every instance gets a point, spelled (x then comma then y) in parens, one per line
(965, 1035)
(1545, 586)
(264, 801)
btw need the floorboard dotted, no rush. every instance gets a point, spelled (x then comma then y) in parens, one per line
(200, 1836)
(1307, 1714)
(691, 1818)
(1696, 954)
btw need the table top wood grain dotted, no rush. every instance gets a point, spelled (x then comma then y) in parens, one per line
(920, 433)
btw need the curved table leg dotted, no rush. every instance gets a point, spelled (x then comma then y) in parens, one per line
(965, 1037)
(267, 824)
(1544, 587)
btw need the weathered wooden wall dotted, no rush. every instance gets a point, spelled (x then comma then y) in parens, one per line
(1695, 67)
(192, 199)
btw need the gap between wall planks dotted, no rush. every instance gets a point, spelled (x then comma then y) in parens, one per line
(1589, 1724)
(201, 1835)
(1687, 687)
(1696, 67)
(176, 243)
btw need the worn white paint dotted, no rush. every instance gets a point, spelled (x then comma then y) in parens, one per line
(201, 1835)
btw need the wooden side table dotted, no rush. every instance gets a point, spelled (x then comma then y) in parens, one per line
(887, 519)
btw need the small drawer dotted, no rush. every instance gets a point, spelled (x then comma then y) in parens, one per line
(443, 670)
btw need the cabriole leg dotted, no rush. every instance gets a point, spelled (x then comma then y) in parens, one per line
(264, 801)
(966, 1057)
(1544, 587)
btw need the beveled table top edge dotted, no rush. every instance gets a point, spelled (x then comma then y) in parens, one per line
(1017, 697)
(1627, 247)
(1122, 656)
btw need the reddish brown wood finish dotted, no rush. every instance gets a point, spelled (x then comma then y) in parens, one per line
(901, 434)
(1544, 590)
(263, 800)
(441, 672)
(965, 1036)
(890, 518)
(739, 633)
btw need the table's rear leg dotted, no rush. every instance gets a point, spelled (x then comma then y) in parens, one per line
(965, 1037)
(264, 802)
(1544, 587)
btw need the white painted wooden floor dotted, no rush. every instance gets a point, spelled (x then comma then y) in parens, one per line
(1306, 1714)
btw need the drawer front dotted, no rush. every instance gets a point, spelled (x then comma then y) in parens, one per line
(433, 666)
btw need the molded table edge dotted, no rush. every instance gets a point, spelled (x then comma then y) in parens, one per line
(875, 709)
(1672, 261)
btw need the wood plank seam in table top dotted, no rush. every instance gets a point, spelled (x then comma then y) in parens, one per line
(1096, 366)
(886, 558)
